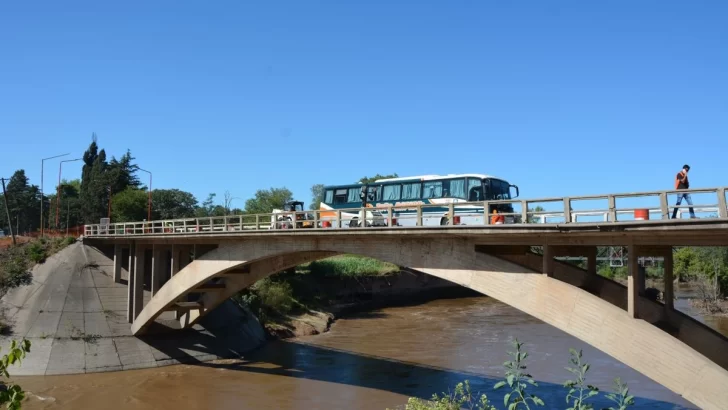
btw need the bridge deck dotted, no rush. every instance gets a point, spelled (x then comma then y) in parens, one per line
(697, 232)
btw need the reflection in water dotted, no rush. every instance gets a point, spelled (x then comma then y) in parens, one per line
(371, 361)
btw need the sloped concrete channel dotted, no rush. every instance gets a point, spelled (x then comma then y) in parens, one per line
(75, 317)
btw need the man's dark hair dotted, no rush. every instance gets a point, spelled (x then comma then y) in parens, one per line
(686, 167)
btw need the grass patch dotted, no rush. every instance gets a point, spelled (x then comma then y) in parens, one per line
(349, 266)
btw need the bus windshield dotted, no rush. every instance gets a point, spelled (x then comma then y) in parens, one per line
(496, 189)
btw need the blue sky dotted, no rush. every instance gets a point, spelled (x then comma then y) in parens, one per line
(558, 97)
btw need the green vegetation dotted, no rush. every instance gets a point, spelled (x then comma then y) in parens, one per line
(12, 395)
(349, 266)
(579, 394)
(310, 286)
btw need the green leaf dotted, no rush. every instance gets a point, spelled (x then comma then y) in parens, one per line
(537, 401)
(507, 398)
(510, 379)
(499, 385)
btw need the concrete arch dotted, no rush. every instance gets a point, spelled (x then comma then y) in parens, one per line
(605, 326)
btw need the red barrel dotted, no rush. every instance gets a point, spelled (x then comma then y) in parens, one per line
(641, 214)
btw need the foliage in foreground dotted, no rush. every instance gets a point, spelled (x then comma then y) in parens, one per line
(12, 395)
(578, 396)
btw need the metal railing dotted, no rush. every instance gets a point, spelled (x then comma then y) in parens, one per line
(444, 215)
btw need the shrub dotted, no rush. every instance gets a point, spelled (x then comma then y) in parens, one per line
(274, 295)
(462, 397)
(36, 252)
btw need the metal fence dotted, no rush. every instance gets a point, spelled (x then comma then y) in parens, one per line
(534, 211)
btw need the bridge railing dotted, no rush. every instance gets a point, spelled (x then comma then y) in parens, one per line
(610, 208)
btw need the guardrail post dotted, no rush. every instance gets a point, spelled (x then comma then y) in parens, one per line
(524, 212)
(419, 215)
(224, 223)
(390, 212)
(257, 222)
(722, 209)
(212, 225)
(486, 213)
(567, 210)
(664, 210)
(612, 208)
(315, 219)
(338, 219)
(451, 214)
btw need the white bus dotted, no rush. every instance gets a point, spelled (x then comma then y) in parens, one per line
(423, 189)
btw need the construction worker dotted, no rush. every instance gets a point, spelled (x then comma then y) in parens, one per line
(681, 182)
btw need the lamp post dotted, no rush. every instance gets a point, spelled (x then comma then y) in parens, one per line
(42, 161)
(149, 204)
(58, 196)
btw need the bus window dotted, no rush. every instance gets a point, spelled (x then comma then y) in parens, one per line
(391, 192)
(340, 196)
(499, 190)
(432, 189)
(457, 188)
(475, 190)
(411, 190)
(373, 193)
(354, 195)
(329, 198)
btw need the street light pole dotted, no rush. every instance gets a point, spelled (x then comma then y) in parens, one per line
(41, 189)
(58, 196)
(149, 190)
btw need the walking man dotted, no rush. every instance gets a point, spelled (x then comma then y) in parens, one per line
(681, 182)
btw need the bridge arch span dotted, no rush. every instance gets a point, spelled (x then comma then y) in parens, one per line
(603, 325)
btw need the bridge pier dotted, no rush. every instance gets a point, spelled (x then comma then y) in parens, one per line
(137, 287)
(117, 263)
(669, 294)
(130, 287)
(158, 257)
(635, 281)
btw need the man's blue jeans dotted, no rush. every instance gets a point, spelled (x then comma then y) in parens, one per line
(679, 201)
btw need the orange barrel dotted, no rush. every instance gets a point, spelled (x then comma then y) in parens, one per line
(641, 214)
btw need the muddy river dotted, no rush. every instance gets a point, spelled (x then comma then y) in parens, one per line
(373, 360)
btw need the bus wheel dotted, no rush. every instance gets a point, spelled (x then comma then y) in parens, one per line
(444, 221)
(354, 223)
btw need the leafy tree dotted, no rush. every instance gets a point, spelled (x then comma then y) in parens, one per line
(23, 203)
(122, 173)
(266, 200)
(369, 180)
(317, 196)
(69, 211)
(129, 205)
(208, 206)
(172, 204)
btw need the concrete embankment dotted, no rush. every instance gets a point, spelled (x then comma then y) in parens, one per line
(76, 319)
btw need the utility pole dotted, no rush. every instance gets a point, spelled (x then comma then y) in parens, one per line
(7, 211)
(149, 191)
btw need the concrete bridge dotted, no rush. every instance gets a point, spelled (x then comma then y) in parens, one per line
(192, 270)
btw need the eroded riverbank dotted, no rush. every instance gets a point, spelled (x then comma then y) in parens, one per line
(371, 360)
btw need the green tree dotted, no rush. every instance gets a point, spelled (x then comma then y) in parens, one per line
(122, 173)
(172, 204)
(129, 205)
(208, 206)
(266, 200)
(317, 196)
(23, 203)
(369, 180)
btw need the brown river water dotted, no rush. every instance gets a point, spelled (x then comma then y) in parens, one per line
(372, 360)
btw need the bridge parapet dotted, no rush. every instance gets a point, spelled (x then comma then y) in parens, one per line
(608, 208)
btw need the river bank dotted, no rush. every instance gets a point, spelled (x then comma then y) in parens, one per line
(349, 296)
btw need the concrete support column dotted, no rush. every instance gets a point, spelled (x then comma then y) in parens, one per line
(158, 253)
(591, 261)
(635, 283)
(548, 260)
(138, 286)
(184, 257)
(117, 263)
(130, 287)
(174, 263)
(669, 278)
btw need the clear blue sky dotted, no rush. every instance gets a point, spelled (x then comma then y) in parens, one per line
(561, 98)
